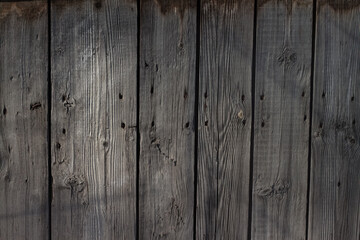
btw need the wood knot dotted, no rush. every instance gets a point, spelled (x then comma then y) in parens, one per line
(240, 114)
(176, 213)
(7, 176)
(287, 57)
(68, 102)
(341, 125)
(350, 139)
(277, 190)
(77, 183)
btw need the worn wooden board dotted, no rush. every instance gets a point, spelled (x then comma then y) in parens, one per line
(226, 45)
(335, 179)
(281, 121)
(167, 93)
(23, 120)
(93, 70)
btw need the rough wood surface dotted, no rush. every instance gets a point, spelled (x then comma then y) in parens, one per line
(281, 124)
(23, 120)
(167, 93)
(335, 170)
(226, 39)
(94, 49)
(97, 62)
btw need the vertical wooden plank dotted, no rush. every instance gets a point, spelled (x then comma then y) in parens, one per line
(94, 57)
(335, 179)
(226, 46)
(167, 93)
(281, 124)
(23, 120)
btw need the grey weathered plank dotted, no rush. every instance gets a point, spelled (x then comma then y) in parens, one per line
(23, 120)
(335, 179)
(167, 93)
(93, 70)
(281, 121)
(226, 45)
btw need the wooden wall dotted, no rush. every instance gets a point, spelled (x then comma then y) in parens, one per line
(180, 119)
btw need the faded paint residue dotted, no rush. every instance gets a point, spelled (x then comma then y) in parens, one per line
(228, 5)
(28, 10)
(174, 6)
(181, 6)
(62, 4)
(341, 5)
(288, 3)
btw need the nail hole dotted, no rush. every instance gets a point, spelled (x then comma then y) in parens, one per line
(244, 122)
(303, 94)
(243, 97)
(120, 96)
(262, 124)
(262, 97)
(63, 130)
(185, 94)
(58, 145)
(122, 125)
(320, 125)
(11, 78)
(152, 124)
(206, 123)
(305, 117)
(152, 89)
(187, 124)
(205, 95)
(63, 98)
(4, 110)
(98, 5)
(105, 144)
(353, 122)
(338, 184)
(352, 98)
(323, 95)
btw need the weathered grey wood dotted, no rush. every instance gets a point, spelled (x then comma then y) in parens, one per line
(94, 56)
(23, 120)
(167, 93)
(335, 169)
(226, 45)
(281, 124)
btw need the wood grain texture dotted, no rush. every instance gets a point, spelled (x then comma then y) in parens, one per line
(281, 124)
(94, 59)
(23, 120)
(167, 93)
(335, 179)
(226, 45)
